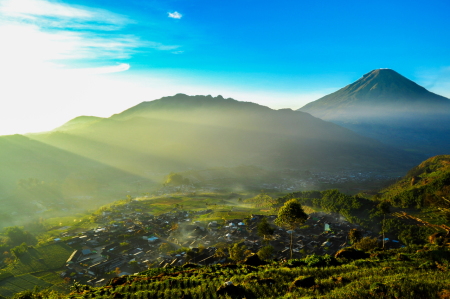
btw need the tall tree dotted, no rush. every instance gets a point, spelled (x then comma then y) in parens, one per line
(384, 208)
(354, 235)
(264, 228)
(236, 252)
(291, 215)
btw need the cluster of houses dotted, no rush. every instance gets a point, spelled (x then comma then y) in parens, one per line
(133, 242)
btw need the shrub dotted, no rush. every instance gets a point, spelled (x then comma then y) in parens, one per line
(367, 244)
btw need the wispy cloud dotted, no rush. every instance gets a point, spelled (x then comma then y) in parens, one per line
(46, 30)
(102, 70)
(175, 15)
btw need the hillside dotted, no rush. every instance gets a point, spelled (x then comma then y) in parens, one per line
(401, 273)
(426, 185)
(388, 107)
(183, 132)
(35, 177)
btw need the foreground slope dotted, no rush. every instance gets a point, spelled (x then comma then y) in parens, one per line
(401, 273)
(391, 108)
(197, 132)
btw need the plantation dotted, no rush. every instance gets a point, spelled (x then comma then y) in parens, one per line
(412, 272)
(10, 286)
(40, 259)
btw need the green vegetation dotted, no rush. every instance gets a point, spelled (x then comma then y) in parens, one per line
(412, 272)
(426, 185)
(265, 229)
(50, 257)
(291, 215)
(10, 286)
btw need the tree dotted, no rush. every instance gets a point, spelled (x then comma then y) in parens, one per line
(291, 215)
(384, 208)
(236, 252)
(366, 244)
(220, 252)
(265, 252)
(354, 235)
(18, 235)
(264, 228)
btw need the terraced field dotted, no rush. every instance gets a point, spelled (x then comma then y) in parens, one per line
(403, 273)
(40, 259)
(10, 286)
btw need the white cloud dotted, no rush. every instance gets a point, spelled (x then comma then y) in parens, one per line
(43, 44)
(175, 15)
(102, 70)
(45, 11)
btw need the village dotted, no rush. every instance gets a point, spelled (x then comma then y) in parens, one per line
(133, 241)
(287, 182)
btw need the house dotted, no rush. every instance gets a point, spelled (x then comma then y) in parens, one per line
(74, 257)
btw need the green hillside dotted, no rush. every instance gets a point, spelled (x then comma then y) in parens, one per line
(37, 177)
(426, 185)
(400, 273)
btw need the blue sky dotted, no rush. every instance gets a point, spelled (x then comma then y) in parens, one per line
(98, 57)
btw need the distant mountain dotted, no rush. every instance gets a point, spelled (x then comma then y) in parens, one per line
(78, 122)
(181, 132)
(388, 107)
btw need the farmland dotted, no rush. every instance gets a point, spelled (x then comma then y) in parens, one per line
(12, 285)
(40, 259)
(401, 273)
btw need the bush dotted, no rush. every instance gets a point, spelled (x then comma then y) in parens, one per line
(367, 244)
(265, 252)
(320, 261)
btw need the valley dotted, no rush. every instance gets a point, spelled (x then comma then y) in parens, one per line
(133, 205)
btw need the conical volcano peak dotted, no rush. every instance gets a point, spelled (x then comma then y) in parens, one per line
(384, 85)
(387, 106)
(381, 89)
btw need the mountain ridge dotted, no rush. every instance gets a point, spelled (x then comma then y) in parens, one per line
(206, 131)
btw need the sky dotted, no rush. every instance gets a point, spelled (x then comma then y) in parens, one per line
(63, 59)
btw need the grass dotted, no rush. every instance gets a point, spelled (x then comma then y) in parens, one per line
(45, 258)
(10, 286)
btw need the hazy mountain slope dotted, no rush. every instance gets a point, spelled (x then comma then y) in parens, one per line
(182, 132)
(388, 107)
(78, 122)
(32, 171)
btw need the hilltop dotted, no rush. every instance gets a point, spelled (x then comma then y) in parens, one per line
(388, 107)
